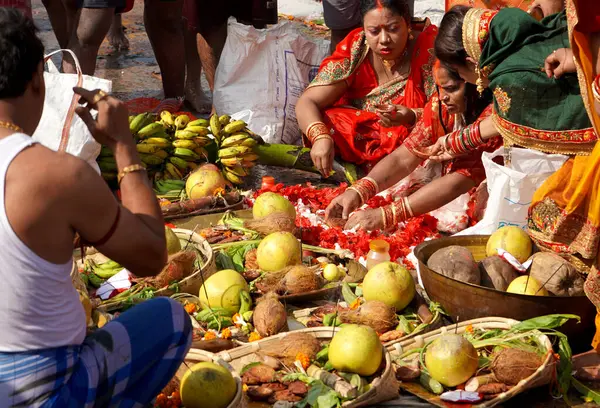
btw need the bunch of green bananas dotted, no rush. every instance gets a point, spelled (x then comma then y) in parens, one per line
(236, 147)
(97, 273)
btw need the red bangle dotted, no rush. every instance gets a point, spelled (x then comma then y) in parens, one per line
(315, 130)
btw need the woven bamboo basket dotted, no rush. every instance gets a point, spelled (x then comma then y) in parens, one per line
(544, 374)
(383, 388)
(197, 356)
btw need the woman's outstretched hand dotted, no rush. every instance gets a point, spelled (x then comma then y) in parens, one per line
(343, 205)
(397, 116)
(438, 152)
(560, 62)
(367, 220)
(322, 154)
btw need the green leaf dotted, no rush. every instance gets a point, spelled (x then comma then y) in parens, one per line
(545, 322)
(320, 396)
(587, 393)
(248, 367)
(224, 261)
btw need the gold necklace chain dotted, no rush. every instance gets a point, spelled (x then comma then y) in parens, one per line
(11, 126)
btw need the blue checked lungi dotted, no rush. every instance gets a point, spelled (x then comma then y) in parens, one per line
(125, 364)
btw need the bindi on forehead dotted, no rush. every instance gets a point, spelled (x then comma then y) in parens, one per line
(379, 5)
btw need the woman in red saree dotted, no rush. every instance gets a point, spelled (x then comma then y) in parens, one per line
(369, 94)
(456, 108)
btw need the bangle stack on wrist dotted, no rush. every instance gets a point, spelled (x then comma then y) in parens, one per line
(366, 188)
(396, 213)
(466, 140)
(317, 131)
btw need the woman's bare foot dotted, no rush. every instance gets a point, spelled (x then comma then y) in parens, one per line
(195, 97)
(116, 35)
(587, 366)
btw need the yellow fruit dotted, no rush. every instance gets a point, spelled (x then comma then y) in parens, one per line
(451, 360)
(391, 284)
(356, 349)
(199, 130)
(527, 285)
(182, 121)
(513, 240)
(223, 290)
(173, 244)
(87, 307)
(332, 273)
(207, 385)
(235, 126)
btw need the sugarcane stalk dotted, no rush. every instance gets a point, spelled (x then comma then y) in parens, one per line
(344, 388)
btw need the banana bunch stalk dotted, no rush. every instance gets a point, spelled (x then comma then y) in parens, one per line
(236, 147)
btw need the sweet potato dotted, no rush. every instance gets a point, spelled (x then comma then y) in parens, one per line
(455, 262)
(558, 276)
(497, 273)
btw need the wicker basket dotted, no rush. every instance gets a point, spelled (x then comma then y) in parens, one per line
(383, 388)
(542, 376)
(192, 283)
(197, 356)
(435, 323)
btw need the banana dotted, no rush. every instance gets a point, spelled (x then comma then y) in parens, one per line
(163, 154)
(185, 134)
(179, 163)
(182, 121)
(151, 129)
(232, 162)
(234, 140)
(160, 141)
(245, 302)
(233, 152)
(199, 122)
(151, 159)
(249, 142)
(238, 171)
(234, 127)
(147, 148)
(232, 177)
(192, 166)
(106, 152)
(107, 166)
(199, 130)
(215, 127)
(200, 151)
(173, 171)
(186, 154)
(109, 176)
(139, 122)
(202, 141)
(224, 120)
(166, 118)
(131, 118)
(185, 143)
(250, 157)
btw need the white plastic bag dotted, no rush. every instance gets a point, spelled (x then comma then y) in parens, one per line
(266, 71)
(60, 128)
(511, 189)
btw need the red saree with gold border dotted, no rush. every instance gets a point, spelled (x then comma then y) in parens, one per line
(353, 122)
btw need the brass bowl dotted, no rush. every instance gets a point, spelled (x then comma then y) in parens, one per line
(465, 301)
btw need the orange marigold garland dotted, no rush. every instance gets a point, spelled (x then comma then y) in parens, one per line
(303, 359)
(210, 336)
(226, 333)
(190, 308)
(254, 336)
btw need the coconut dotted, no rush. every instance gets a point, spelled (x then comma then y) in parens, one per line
(558, 276)
(275, 222)
(270, 316)
(269, 203)
(356, 349)
(513, 240)
(513, 365)
(204, 182)
(299, 279)
(278, 250)
(451, 360)
(207, 385)
(288, 348)
(375, 314)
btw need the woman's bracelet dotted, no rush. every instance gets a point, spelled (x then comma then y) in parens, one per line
(366, 188)
(465, 140)
(321, 137)
(315, 130)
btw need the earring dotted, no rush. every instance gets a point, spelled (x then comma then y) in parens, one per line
(410, 34)
(479, 82)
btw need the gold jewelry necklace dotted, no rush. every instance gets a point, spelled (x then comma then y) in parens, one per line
(11, 126)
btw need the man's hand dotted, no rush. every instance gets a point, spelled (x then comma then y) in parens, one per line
(559, 63)
(343, 205)
(112, 125)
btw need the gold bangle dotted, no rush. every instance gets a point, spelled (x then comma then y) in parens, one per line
(395, 217)
(384, 220)
(129, 169)
(362, 199)
(408, 207)
(316, 139)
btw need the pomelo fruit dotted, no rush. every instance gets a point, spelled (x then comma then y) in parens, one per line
(356, 349)
(332, 273)
(223, 290)
(278, 250)
(513, 240)
(207, 385)
(527, 285)
(389, 283)
(270, 203)
(451, 360)
(204, 182)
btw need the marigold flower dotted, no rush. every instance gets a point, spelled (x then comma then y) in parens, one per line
(470, 329)
(303, 359)
(210, 335)
(355, 304)
(161, 400)
(226, 333)
(238, 320)
(244, 388)
(190, 308)
(254, 336)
